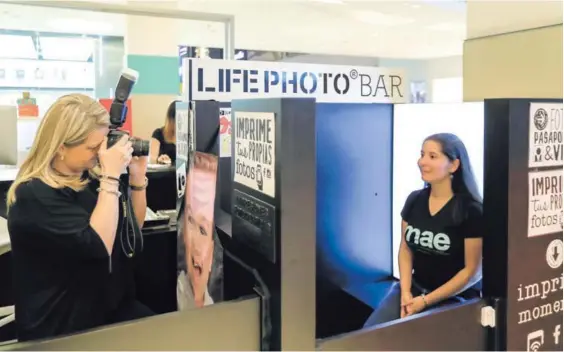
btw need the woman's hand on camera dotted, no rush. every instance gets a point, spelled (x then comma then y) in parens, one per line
(138, 169)
(115, 159)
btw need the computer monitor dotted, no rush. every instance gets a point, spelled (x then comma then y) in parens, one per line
(8, 135)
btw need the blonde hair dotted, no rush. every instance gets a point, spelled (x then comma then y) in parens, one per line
(69, 121)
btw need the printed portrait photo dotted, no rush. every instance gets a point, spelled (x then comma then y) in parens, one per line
(200, 255)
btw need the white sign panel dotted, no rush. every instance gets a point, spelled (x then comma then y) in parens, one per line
(47, 74)
(182, 130)
(545, 134)
(224, 81)
(545, 203)
(182, 146)
(254, 151)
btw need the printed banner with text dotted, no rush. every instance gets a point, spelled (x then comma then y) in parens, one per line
(534, 298)
(224, 81)
(254, 151)
(545, 135)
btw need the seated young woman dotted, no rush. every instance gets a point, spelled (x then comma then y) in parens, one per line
(440, 256)
(163, 140)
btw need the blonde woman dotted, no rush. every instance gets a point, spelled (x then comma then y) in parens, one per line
(70, 271)
(163, 140)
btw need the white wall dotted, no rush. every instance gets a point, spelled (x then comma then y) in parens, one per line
(412, 124)
(428, 70)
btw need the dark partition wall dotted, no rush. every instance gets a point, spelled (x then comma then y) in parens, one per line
(523, 210)
(354, 197)
(354, 160)
(213, 328)
(273, 165)
(226, 183)
(447, 329)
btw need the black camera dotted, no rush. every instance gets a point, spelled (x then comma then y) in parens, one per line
(118, 113)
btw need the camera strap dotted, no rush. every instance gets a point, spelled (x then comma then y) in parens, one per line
(128, 231)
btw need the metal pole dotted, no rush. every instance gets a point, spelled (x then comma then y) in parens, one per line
(229, 50)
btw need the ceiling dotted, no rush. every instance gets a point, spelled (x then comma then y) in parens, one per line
(371, 28)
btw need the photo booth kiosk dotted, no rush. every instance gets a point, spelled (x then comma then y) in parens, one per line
(308, 239)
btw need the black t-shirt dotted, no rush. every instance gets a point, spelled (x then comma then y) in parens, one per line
(165, 147)
(437, 241)
(62, 277)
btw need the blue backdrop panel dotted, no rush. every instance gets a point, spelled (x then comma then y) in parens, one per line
(354, 160)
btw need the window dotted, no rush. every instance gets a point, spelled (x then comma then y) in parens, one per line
(17, 46)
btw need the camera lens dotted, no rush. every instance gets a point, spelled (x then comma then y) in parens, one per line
(140, 147)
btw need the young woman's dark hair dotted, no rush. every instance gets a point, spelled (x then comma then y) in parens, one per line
(171, 111)
(463, 179)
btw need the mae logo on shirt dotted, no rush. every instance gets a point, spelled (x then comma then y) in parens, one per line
(439, 242)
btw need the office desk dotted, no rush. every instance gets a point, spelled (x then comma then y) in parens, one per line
(161, 192)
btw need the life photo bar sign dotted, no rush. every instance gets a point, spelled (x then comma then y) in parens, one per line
(254, 151)
(545, 202)
(545, 135)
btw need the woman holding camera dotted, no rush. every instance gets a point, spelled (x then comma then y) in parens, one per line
(63, 211)
(440, 256)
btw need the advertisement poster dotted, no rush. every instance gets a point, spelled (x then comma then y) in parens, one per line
(225, 132)
(254, 151)
(545, 202)
(545, 135)
(534, 296)
(200, 269)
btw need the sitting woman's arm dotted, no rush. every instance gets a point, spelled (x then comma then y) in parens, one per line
(472, 231)
(465, 278)
(405, 261)
(155, 146)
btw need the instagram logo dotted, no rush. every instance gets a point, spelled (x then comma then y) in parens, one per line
(535, 340)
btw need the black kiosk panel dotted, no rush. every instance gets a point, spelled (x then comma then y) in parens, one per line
(274, 194)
